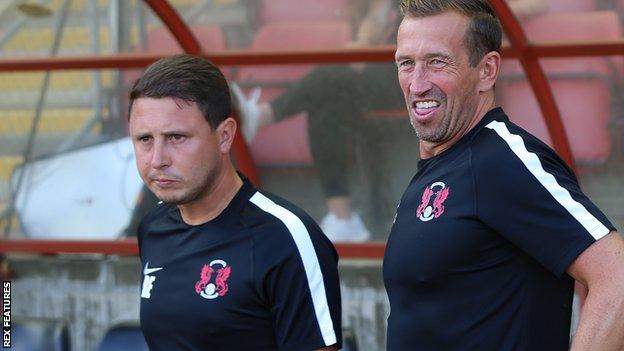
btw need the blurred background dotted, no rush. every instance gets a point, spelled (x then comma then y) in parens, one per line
(340, 141)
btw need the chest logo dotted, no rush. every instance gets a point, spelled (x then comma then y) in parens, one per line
(208, 289)
(427, 211)
(148, 280)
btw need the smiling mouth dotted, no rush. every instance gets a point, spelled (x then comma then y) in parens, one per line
(424, 109)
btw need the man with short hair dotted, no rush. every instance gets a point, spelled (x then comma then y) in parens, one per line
(493, 228)
(225, 266)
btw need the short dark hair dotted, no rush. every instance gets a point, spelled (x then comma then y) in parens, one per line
(484, 33)
(188, 78)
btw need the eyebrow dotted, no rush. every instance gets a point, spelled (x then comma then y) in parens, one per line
(176, 132)
(400, 58)
(141, 135)
(167, 133)
(427, 56)
(438, 55)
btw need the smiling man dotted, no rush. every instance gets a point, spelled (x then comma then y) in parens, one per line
(493, 228)
(226, 266)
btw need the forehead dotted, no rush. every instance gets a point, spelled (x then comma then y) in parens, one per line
(165, 113)
(442, 33)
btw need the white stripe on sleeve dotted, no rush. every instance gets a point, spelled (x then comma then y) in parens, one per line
(300, 235)
(561, 195)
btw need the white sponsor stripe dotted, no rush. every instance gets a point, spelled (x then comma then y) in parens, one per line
(561, 195)
(300, 235)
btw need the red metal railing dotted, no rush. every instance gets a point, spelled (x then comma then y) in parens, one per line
(537, 79)
(129, 247)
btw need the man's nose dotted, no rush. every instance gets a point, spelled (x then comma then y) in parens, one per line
(419, 84)
(160, 157)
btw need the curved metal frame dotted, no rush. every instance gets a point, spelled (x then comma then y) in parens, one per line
(190, 45)
(526, 52)
(176, 25)
(537, 79)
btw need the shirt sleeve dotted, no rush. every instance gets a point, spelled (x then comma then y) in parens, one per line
(526, 194)
(302, 288)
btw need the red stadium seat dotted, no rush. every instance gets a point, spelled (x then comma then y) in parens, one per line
(286, 143)
(561, 27)
(573, 5)
(293, 11)
(585, 108)
(161, 41)
(292, 36)
(583, 87)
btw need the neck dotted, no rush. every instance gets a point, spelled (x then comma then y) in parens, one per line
(215, 200)
(430, 149)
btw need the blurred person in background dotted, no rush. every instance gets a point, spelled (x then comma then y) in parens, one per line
(493, 229)
(337, 98)
(333, 96)
(226, 266)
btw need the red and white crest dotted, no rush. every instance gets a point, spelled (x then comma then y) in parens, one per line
(211, 290)
(426, 211)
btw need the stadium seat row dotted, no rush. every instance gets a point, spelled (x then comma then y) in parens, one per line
(54, 335)
(324, 24)
(585, 89)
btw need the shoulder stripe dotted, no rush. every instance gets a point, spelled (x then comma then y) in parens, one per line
(561, 195)
(302, 240)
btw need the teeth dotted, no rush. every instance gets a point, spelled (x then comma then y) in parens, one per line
(426, 104)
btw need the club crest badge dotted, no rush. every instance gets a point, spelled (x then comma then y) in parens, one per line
(210, 288)
(428, 210)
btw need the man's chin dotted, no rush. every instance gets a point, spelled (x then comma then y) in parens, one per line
(430, 138)
(170, 201)
(176, 199)
(169, 198)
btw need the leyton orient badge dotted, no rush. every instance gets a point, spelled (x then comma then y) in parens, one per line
(208, 289)
(427, 210)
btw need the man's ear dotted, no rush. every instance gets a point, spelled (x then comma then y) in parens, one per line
(489, 67)
(226, 132)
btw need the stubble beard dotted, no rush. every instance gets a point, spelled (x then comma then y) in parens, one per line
(451, 121)
(196, 191)
(434, 133)
(437, 133)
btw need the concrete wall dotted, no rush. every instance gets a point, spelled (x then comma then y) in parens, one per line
(93, 293)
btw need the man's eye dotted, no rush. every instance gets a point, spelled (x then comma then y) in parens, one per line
(144, 139)
(437, 62)
(405, 63)
(176, 137)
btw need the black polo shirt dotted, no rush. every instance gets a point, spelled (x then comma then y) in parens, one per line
(483, 236)
(260, 276)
